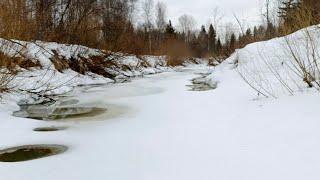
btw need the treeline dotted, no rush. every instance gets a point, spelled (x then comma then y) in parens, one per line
(291, 16)
(106, 24)
(109, 25)
(94, 23)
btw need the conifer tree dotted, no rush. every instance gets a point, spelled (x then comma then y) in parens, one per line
(248, 36)
(203, 40)
(212, 39)
(255, 33)
(219, 47)
(288, 12)
(170, 31)
(270, 31)
(232, 43)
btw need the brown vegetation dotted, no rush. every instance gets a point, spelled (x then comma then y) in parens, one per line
(104, 24)
(295, 15)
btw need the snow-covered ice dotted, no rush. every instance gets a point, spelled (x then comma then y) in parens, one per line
(176, 134)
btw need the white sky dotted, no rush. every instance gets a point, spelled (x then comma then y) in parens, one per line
(248, 11)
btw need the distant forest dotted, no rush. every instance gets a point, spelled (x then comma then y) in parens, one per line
(109, 25)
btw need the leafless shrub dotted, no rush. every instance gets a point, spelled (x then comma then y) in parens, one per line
(5, 79)
(291, 66)
(9, 64)
(304, 57)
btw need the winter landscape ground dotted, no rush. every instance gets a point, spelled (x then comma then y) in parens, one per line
(156, 126)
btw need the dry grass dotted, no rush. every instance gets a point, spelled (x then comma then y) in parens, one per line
(5, 79)
(9, 67)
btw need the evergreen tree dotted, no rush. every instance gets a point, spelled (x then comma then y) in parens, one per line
(297, 14)
(232, 43)
(255, 33)
(248, 33)
(203, 40)
(289, 12)
(212, 39)
(261, 32)
(248, 36)
(270, 31)
(219, 47)
(170, 31)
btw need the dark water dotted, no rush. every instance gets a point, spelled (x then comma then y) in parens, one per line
(49, 129)
(30, 152)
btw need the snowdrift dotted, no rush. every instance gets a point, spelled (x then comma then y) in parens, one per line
(280, 66)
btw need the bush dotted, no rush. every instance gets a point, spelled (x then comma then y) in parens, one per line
(176, 51)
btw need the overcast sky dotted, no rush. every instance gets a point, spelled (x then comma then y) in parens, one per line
(247, 10)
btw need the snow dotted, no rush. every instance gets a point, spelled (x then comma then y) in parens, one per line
(272, 68)
(42, 51)
(52, 82)
(167, 132)
(49, 80)
(156, 129)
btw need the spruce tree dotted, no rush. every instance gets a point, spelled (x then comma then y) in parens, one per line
(271, 31)
(248, 32)
(248, 36)
(212, 40)
(170, 31)
(203, 40)
(219, 47)
(232, 44)
(289, 12)
(255, 33)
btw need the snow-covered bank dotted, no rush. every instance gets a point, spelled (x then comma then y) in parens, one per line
(50, 68)
(45, 70)
(280, 66)
(61, 65)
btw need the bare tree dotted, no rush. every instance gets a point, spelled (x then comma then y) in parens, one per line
(187, 23)
(267, 14)
(147, 13)
(229, 29)
(161, 16)
(270, 11)
(217, 18)
(131, 9)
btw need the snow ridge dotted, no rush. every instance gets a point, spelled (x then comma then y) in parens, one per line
(280, 66)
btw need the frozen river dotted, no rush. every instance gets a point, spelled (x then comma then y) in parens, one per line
(156, 129)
